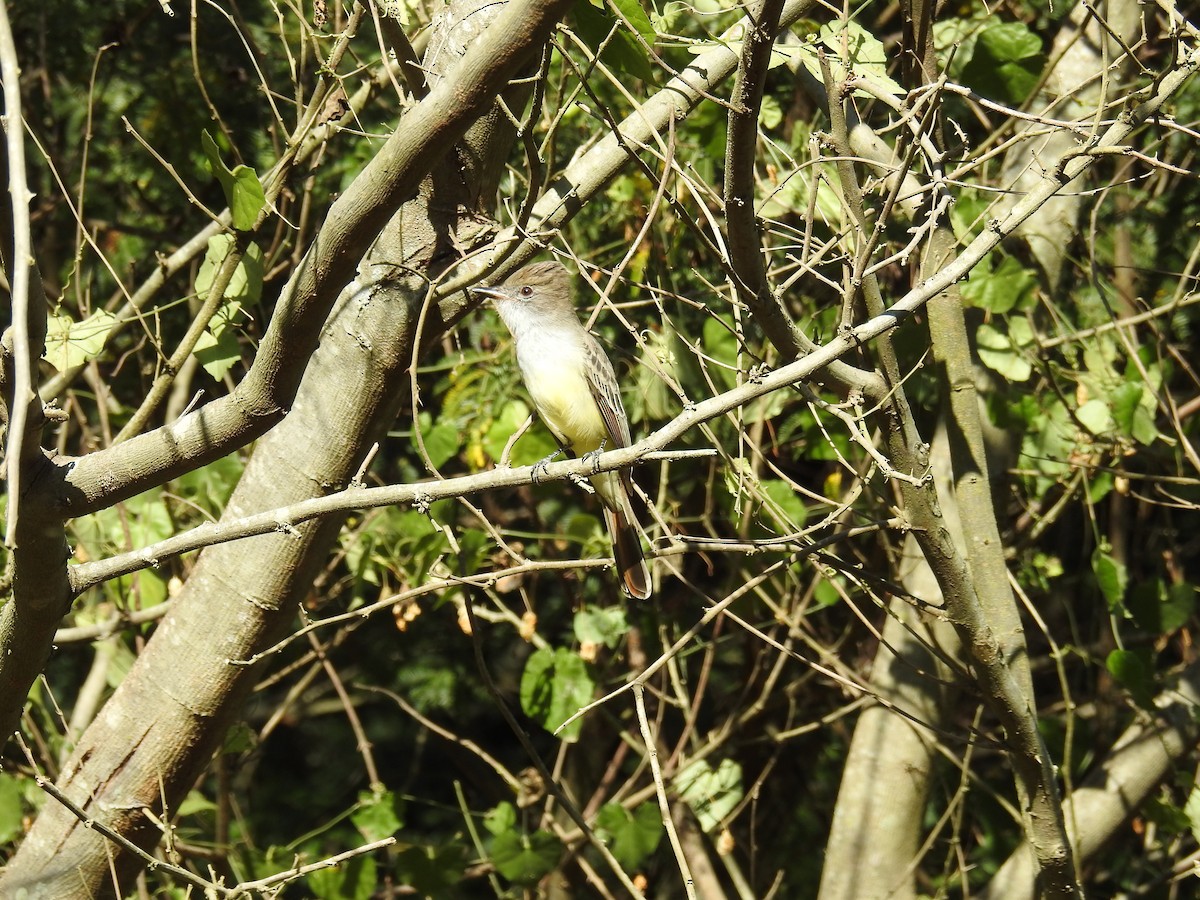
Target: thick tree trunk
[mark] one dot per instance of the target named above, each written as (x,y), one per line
(161,727)
(878,822)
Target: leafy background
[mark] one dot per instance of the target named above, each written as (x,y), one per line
(1096,496)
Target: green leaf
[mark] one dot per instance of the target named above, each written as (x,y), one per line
(1178,606)
(1168,818)
(636,16)
(711,793)
(326,884)
(1047,566)
(210,487)
(243,191)
(441,441)
(632,836)
(1000,290)
(580,527)
(1112,578)
(1006,62)
(1099,484)
(502,818)
(218,347)
(770,113)
(594,27)
(791,194)
(433,871)
(1002,352)
(195,802)
(352,880)
(239,739)
(133,523)
(1134,674)
(949,34)
(791,55)
(217,354)
(70,343)
(379,814)
(151,591)
(474,544)
(1132,414)
(248,198)
(721,346)
(859,51)
(245,285)
(142,520)
(968,216)
(1160,609)
(1020,331)
(554,686)
(535,444)
(1096,417)
(525,859)
(11,813)
(1050,438)
(624,189)
(766,409)
(1192,810)
(783,505)
(212,155)
(852,51)
(826,594)
(601,625)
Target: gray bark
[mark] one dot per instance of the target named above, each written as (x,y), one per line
(873,848)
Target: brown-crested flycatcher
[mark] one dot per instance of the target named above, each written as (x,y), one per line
(575,392)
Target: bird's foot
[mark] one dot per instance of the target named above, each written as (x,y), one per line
(539,468)
(594,456)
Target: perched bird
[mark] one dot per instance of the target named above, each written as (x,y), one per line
(575,392)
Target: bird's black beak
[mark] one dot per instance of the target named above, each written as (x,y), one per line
(491,293)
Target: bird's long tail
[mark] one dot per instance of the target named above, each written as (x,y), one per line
(627,548)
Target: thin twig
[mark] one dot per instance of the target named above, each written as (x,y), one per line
(660,790)
(21,277)
(212,304)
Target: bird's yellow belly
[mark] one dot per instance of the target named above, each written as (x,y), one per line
(566,405)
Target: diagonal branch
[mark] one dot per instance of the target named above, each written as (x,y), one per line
(803,369)
(743,236)
(262,398)
(68,488)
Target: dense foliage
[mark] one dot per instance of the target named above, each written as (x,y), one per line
(410,696)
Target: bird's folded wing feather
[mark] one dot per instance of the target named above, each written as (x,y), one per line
(607,393)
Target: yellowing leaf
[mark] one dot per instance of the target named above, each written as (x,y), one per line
(70,343)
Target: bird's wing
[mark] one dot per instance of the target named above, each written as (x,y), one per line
(606,391)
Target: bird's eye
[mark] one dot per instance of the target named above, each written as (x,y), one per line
(526,291)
